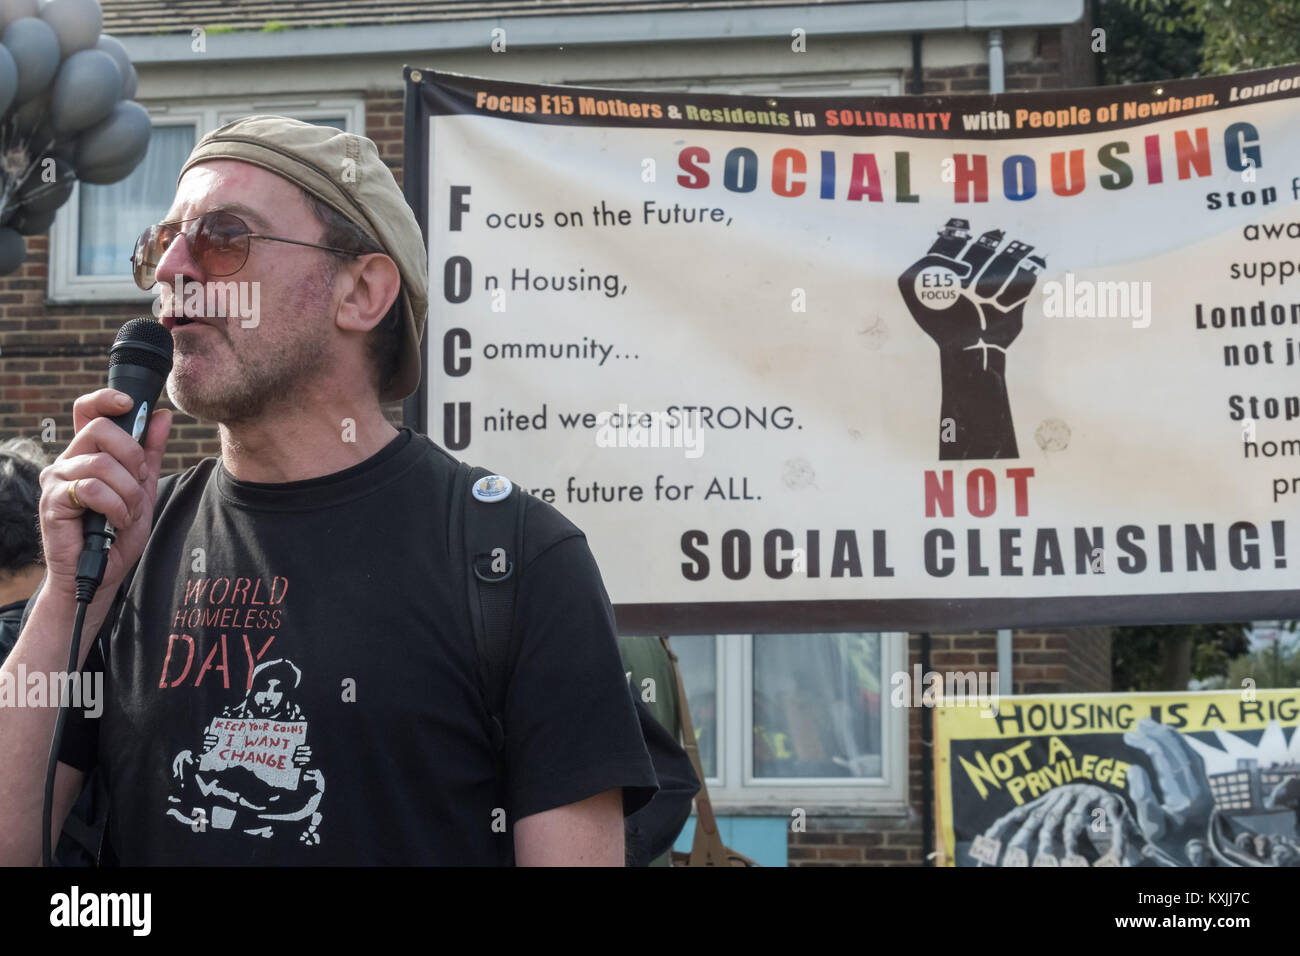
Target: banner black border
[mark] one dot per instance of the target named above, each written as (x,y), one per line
(447,93)
(941,615)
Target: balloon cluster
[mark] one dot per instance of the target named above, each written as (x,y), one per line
(65,113)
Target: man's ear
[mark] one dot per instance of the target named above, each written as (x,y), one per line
(375,283)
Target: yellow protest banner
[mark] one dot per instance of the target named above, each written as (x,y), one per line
(1164,779)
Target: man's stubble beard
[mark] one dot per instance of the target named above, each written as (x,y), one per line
(258,387)
(265,378)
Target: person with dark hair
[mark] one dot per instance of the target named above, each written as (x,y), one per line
(21,461)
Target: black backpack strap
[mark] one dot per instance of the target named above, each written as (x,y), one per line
(493,535)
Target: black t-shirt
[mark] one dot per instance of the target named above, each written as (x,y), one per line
(11,616)
(291,678)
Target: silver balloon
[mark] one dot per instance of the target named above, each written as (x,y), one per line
(123,137)
(103,175)
(34,112)
(130,83)
(8,79)
(17,9)
(42,141)
(75,22)
(12,250)
(46,191)
(84,91)
(35,50)
(113,47)
(66,150)
(32,223)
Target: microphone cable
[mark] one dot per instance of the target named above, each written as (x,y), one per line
(52,763)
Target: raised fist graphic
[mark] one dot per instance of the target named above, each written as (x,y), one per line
(970,298)
(1175,813)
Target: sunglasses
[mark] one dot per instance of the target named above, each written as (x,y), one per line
(218,241)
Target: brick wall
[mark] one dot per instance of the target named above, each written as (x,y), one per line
(1074,660)
(1044,71)
(1088,659)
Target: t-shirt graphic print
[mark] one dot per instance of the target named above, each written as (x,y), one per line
(254,772)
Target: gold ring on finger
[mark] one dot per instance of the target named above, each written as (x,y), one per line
(72,493)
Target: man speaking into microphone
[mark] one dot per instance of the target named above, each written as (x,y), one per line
(289,664)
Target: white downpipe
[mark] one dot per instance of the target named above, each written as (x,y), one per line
(997,72)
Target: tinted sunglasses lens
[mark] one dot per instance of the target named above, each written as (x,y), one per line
(218,241)
(221,243)
(148,250)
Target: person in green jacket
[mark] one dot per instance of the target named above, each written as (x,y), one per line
(650,675)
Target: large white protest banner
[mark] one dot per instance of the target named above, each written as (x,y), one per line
(914,362)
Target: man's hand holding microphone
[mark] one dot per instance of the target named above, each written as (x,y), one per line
(97,497)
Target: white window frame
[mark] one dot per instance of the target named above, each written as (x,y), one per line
(66,286)
(734,788)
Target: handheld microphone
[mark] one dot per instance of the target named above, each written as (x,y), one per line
(138,364)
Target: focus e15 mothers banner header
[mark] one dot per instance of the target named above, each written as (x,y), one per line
(907,363)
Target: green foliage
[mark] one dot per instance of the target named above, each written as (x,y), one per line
(1147,41)
(1166,657)
(274,26)
(1267,668)
(218,29)
(1235,35)
(1139,52)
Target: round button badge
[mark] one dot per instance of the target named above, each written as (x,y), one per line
(492,488)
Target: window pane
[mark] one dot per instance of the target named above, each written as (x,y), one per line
(698,660)
(113,216)
(817,705)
